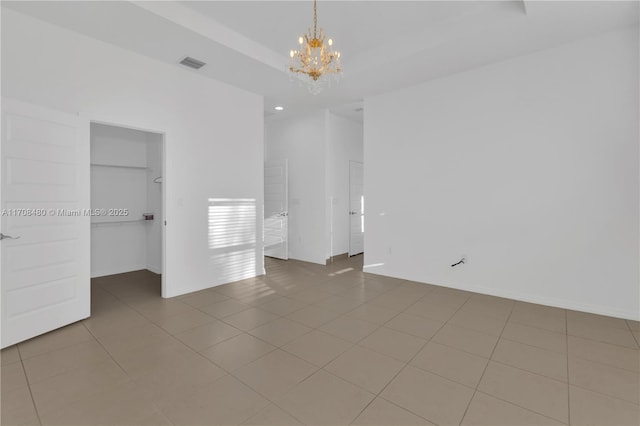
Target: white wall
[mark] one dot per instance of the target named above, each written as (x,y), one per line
(154,204)
(214,132)
(345,143)
(302,141)
(529,167)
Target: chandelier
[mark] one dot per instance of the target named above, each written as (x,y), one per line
(315,63)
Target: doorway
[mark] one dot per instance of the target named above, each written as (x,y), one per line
(276,209)
(127,201)
(356,208)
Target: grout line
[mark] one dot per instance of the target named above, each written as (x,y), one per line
(566,327)
(26,378)
(378,395)
(487,365)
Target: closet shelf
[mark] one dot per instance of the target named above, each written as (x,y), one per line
(119,166)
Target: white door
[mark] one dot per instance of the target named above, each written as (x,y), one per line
(356,208)
(276,206)
(45,280)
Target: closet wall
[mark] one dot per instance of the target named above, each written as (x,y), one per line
(124,164)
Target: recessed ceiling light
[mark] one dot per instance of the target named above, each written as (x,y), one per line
(279,108)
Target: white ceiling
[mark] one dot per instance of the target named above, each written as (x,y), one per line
(385,44)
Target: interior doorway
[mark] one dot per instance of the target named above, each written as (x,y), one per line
(276,209)
(127,208)
(356,208)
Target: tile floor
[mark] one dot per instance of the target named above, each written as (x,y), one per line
(308,344)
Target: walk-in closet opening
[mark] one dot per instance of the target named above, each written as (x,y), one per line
(126,212)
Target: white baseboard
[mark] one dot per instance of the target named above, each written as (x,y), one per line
(609,311)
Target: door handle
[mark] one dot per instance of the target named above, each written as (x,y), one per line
(7,237)
(283,214)
(352,213)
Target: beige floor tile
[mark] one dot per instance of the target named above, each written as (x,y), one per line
(148,359)
(491,306)
(275,373)
(317,347)
(372,313)
(207,335)
(534,336)
(478,322)
(338,304)
(362,293)
(312,316)
(532,359)
(602,378)
(9,355)
(115,322)
(431,310)
(395,344)
(432,397)
(633,325)
(83,356)
(383,413)
(596,320)
(393,302)
(224,402)
(548,318)
(467,340)
(531,391)
(157,309)
(365,368)
(416,326)
(184,321)
(258,297)
(324,399)
(280,332)
(446,297)
(17,407)
(237,351)
(164,385)
(61,390)
(224,308)
(604,353)
(60,338)
(596,409)
(135,338)
(12,377)
(486,410)
(283,306)
(453,364)
(250,318)
(272,415)
(351,329)
(203,298)
(310,295)
(602,333)
(122,405)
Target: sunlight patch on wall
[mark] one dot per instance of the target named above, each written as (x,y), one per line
(232,238)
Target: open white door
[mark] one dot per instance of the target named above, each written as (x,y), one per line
(276,206)
(356,208)
(45,220)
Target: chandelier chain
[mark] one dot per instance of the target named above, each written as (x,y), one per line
(315,19)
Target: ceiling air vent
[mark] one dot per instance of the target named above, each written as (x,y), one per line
(192,63)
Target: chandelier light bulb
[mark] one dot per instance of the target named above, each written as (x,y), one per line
(330,42)
(291,54)
(300,40)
